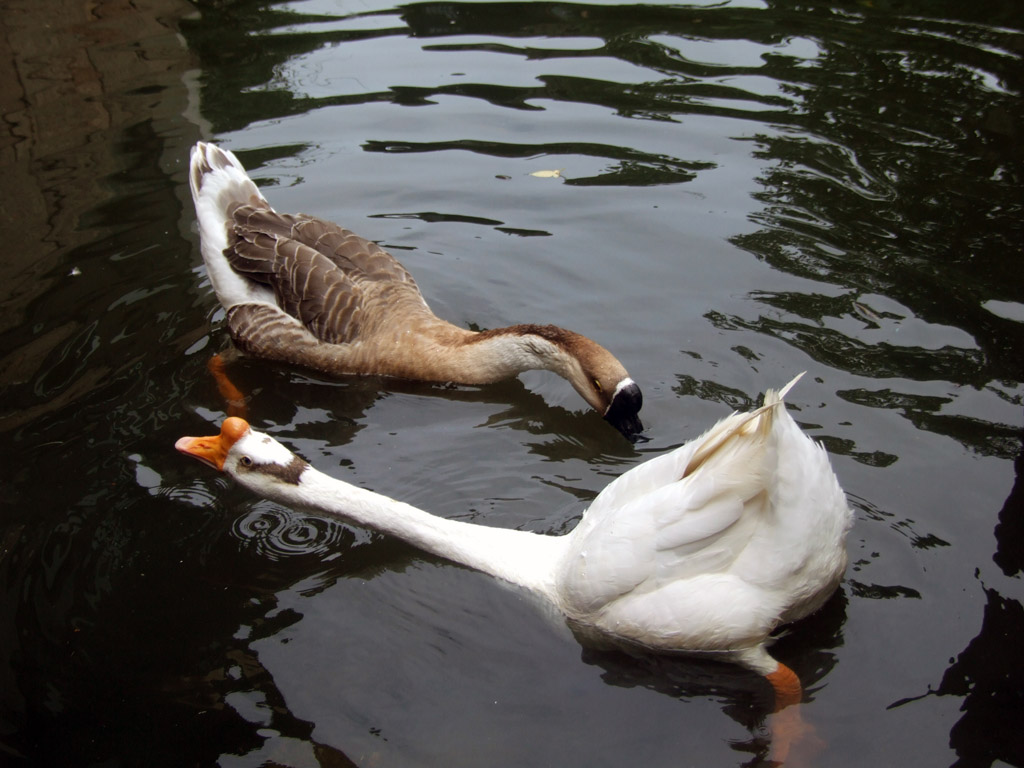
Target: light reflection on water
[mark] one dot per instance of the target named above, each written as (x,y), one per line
(746,191)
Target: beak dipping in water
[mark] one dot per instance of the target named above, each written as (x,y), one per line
(623,413)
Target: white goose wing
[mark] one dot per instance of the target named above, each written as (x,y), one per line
(687,514)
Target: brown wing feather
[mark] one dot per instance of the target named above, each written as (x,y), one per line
(350,251)
(262,331)
(322,275)
(353,254)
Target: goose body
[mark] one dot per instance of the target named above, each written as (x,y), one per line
(305,291)
(707,548)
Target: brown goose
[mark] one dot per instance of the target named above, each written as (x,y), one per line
(304,291)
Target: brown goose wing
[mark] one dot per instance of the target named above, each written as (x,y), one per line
(350,251)
(266,332)
(326,277)
(352,254)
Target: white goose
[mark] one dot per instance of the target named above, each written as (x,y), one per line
(304,291)
(707,548)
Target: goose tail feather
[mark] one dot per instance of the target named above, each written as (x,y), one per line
(771,396)
(218,179)
(219,186)
(758,422)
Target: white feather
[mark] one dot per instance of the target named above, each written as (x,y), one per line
(707,548)
(218,180)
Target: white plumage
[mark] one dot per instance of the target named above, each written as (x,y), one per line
(705,549)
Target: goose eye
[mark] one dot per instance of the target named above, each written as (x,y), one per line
(245,461)
(597,385)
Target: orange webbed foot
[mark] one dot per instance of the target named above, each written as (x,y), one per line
(232,395)
(794,742)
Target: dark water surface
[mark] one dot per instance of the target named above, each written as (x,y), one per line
(747,190)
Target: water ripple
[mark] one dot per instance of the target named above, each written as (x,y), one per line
(277,533)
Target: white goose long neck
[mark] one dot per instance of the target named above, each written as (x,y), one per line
(519,557)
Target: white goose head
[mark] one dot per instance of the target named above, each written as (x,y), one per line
(255,460)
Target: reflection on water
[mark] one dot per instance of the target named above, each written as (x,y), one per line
(897,178)
(989,677)
(747,190)
(988,674)
(745,699)
(1009,532)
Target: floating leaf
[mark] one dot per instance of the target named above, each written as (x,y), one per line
(547,174)
(866,313)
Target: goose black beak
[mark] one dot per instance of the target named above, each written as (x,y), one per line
(623,413)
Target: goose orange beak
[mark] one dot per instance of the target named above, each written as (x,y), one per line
(214,450)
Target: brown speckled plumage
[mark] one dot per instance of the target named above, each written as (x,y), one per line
(305,291)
